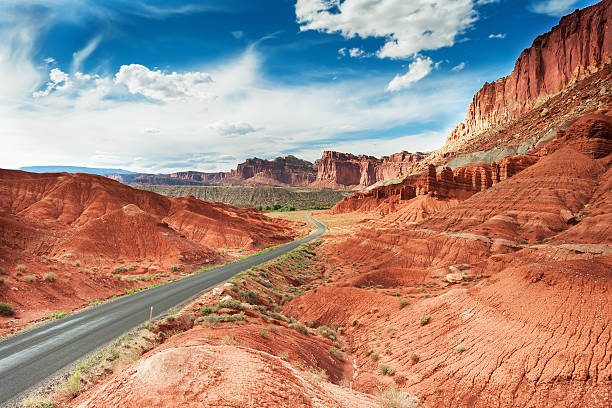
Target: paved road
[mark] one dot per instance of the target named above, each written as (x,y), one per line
(29,358)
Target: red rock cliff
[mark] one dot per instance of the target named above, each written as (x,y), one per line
(337,169)
(579,45)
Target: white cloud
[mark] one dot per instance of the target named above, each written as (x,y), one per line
(408,27)
(231,129)
(164,87)
(417,70)
(357,53)
(498,36)
(151,131)
(79,56)
(238,34)
(57,77)
(49,60)
(343,51)
(459,67)
(555,8)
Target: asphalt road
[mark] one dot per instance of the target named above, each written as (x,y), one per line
(29,358)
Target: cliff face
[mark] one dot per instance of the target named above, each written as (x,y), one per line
(578,46)
(289,171)
(337,169)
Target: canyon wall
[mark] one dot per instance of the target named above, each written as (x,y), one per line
(346,170)
(578,46)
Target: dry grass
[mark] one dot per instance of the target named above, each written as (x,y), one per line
(394,398)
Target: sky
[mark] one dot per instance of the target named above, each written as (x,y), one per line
(160,86)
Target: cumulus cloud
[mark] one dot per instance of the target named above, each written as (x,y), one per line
(408,27)
(58,79)
(554,8)
(164,87)
(498,36)
(417,70)
(459,67)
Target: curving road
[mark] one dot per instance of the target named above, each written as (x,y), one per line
(29,358)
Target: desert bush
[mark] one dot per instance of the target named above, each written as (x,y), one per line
(459,349)
(327,332)
(6,309)
(403,304)
(29,278)
(2,281)
(206,310)
(337,353)
(299,327)
(132,268)
(424,320)
(414,358)
(215,319)
(72,386)
(263,332)
(50,277)
(386,370)
(176,268)
(2,271)
(230,304)
(76,263)
(120,269)
(37,401)
(248,296)
(21,269)
(374,356)
(272,328)
(394,398)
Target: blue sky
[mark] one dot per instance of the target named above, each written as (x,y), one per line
(160,86)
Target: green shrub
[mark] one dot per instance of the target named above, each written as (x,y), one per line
(403,304)
(248,296)
(386,370)
(459,349)
(50,277)
(6,309)
(29,278)
(272,328)
(21,269)
(206,310)
(263,332)
(230,304)
(279,316)
(374,356)
(131,268)
(120,269)
(337,353)
(327,332)
(72,386)
(299,327)
(2,271)
(76,263)
(424,320)
(176,268)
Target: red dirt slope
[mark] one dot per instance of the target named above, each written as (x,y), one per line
(70,238)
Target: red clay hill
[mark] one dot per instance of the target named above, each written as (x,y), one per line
(66,235)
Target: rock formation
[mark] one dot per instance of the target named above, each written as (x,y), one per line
(579,45)
(346,170)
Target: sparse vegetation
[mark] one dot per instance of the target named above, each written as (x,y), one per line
(337,353)
(176,268)
(76,263)
(37,401)
(394,398)
(414,358)
(230,304)
(425,320)
(2,271)
(72,386)
(327,332)
(6,309)
(272,328)
(459,349)
(263,332)
(29,278)
(50,277)
(299,327)
(21,269)
(385,369)
(374,356)
(403,304)
(120,269)
(216,319)
(206,310)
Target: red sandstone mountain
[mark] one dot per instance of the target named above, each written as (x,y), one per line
(344,170)
(81,227)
